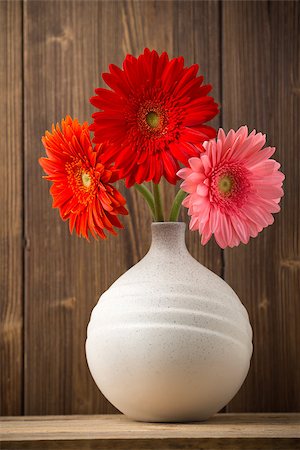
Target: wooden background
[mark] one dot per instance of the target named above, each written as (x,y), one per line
(51,55)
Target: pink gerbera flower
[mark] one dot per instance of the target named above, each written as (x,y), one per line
(234,187)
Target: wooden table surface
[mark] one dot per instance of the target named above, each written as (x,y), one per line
(223,431)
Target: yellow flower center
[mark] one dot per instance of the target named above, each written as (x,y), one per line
(226,184)
(152,119)
(86,179)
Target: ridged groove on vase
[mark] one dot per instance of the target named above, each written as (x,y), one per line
(174,291)
(222,309)
(140,325)
(184,316)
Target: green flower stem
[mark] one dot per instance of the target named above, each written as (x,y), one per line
(180,196)
(159,215)
(148,196)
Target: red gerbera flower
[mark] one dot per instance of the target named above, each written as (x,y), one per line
(81,186)
(153,117)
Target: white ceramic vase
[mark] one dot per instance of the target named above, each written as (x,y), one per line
(169,341)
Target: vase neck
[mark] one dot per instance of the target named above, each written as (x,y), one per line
(168,237)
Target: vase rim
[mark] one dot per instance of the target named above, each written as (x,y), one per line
(169,224)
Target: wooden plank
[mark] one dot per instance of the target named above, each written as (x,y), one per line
(170,34)
(244,431)
(64,52)
(203,19)
(11,262)
(261,79)
(65,275)
(161,444)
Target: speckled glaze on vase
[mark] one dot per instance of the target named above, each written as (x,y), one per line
(169,341)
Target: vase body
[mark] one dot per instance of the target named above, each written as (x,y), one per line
(169,341)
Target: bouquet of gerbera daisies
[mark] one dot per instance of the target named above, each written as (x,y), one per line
(151,124)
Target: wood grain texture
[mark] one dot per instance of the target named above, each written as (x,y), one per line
(201,45)
(224,431)
(11,261)
(249,51)
(162,25)
(261,86)
(65,275)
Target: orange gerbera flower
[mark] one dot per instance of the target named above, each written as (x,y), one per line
(81,188)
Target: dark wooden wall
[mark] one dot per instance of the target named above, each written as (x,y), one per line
(51,55)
